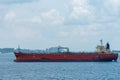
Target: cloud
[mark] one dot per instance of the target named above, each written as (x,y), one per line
(18,32)
(63,34)
(15,1)
(95,30)
(30,20)
(85,12)
(66,21)
(36,19)
(22,32)
(81,9)
(81,13)
(107,11)
(3,7)
(113,5)
(10,16)
(49,17)
(81,31)
(52,17)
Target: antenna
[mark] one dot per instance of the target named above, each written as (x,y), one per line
(19,48)
(101,41)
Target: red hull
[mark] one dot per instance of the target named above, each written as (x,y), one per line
(22,57)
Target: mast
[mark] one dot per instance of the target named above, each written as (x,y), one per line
(18,48)
(101,41)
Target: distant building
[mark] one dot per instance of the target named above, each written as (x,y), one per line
(29,51)
(6,50)
(116,51)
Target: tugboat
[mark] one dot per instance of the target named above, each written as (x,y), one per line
(62,54)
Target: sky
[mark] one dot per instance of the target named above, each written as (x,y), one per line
(77,24)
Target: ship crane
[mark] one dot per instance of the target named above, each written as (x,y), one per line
(63,49)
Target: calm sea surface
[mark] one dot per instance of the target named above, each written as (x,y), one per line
(10,70)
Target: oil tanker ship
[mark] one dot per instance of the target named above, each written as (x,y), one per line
(62,54)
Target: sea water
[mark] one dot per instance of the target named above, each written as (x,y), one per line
(10,70)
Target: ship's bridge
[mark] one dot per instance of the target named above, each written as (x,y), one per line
(102,49)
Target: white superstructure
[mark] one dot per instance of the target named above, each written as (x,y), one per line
(102,49)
